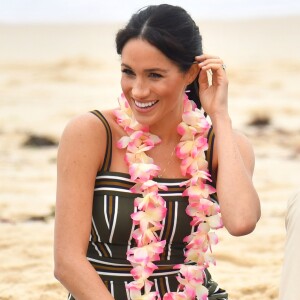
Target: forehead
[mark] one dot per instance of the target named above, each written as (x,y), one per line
(138,52)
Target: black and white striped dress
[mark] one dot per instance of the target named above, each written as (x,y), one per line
(111,233)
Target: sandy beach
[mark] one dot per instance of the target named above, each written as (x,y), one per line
(50,73)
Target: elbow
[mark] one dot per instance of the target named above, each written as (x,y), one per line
(242,227)
(62,267)
(65,265)
(242,222)
(241,230)
(56,275)
(59,271)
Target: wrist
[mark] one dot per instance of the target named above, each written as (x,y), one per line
(220,118)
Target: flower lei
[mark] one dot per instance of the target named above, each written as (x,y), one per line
(150,209)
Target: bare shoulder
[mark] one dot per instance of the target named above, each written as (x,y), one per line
(82,128)
(84,140)
(87,126)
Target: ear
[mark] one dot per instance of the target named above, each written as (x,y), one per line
(192,73)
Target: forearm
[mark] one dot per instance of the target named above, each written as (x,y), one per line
(80,278)
(238,199)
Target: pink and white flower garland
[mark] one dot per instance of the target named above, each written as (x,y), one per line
(151,209)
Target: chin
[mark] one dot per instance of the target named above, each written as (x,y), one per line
(147,121)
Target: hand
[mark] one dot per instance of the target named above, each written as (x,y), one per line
(214,95)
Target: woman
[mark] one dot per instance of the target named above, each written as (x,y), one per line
(103,225)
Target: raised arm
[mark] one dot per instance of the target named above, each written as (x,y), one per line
(81,152)
(234,162)
(234,158)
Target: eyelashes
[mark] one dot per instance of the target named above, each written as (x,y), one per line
(155,75)
(127,72)
(152,75)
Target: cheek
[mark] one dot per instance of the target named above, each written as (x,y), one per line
(124,84)
(174,88)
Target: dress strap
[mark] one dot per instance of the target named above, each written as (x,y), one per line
(108,151)
(210,150)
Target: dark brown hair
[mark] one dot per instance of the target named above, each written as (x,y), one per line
(171,30)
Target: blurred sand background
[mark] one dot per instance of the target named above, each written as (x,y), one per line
(49,73)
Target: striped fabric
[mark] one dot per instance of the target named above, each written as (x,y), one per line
(112,228)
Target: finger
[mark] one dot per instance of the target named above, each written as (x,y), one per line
(203,80)
(214,67)
(218,73)
(210,61)
(203,57)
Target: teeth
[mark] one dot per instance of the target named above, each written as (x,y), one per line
(143,105)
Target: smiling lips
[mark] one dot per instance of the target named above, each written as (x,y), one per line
(145,104)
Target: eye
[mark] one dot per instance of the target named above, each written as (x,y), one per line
(155,75)
(127,71)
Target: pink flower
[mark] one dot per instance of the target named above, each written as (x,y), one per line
(143,171)
(125,117)
(197,191)
(197,120)
(149,200)
(191,147)
(143,272)
(147,236)
(189,105)
(146,254)
(192,280)
(148,186)
(140,157)
(198,177)
(139,142)
(202,208)
(151,216)
(202,240)
(135,287)
(190,165)
(123,142)
(215,221)
(187,132)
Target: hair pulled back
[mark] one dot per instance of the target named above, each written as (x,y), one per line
(171,30)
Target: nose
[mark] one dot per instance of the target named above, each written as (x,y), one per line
(140,89)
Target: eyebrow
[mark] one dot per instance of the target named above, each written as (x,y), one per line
(148,70)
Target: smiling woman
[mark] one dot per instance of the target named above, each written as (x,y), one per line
(134,221)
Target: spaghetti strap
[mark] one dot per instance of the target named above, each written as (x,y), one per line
(210,150)
(108,151)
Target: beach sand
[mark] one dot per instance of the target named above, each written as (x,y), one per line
(50,73)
